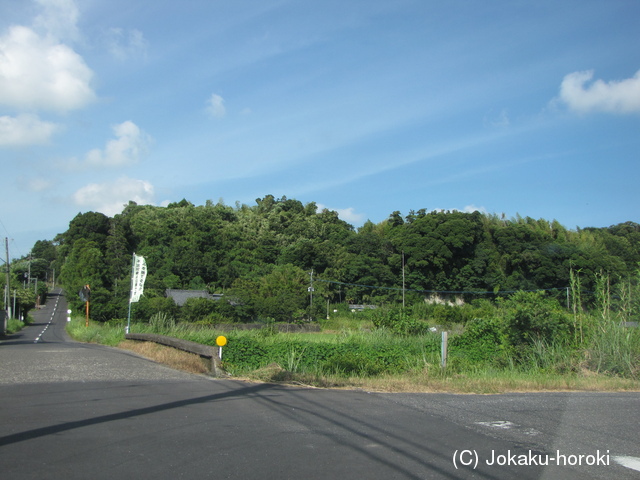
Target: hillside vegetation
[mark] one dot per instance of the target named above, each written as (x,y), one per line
(514,292)
(263,255)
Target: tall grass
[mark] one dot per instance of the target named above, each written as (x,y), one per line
(103,333)
(554,357)
(348,355)
(162,322)
(611,347)
(615,349)
(14,325)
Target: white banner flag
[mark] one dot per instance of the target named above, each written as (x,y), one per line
(139,276)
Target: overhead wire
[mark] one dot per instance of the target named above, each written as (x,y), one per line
(449,292)
(13,243)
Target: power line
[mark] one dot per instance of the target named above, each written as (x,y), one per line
(10,237)
(450,292)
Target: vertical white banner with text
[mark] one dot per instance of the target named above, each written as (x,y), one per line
(139,276)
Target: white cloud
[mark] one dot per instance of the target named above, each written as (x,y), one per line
(40,73)
(127,148)
(613,97)
(124,45)
(111,197)
(472,208)
(215,106)
(25,129)
(467,209)
(347,214)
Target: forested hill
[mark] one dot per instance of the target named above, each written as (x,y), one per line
(257,252)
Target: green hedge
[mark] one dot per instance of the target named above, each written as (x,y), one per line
(246,353)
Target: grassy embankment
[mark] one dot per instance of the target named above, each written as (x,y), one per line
(351,354)
(15,325)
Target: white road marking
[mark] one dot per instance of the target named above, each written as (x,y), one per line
(497,424)
(630,462)
(45,328)
(506,425)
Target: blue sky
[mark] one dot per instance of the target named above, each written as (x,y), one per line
(364,107)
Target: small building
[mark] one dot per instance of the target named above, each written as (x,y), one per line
(181,296)
(360,308)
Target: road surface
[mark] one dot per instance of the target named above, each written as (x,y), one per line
(76,411)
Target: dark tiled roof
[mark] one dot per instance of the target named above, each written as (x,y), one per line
(181,296)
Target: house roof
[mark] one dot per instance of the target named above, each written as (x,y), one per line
(181,296)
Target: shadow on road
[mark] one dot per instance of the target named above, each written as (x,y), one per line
(54,429)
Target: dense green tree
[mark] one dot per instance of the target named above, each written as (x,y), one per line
(85,265)
(281,295)
(91,226)
(245,251)
(45,250)
(437,247)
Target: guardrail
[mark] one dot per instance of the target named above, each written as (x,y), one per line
(204,351)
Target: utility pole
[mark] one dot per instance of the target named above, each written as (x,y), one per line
(7,297)
(403,280)
(311,296)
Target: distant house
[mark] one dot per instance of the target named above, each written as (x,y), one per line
(360,308)
(181,296)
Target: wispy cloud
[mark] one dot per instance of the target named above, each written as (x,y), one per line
(58,19)
(111,197)
(38,184)
(502,120)
(126,44)
(613,97)
(215,106)
(25,129)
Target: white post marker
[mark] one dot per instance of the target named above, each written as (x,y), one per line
(221,341)
(69,315)
(443,350)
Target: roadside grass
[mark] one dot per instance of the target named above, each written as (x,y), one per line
(353,357)
(346,323)
(105,334)
(14,325)
(434,380)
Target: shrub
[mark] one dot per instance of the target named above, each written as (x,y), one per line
(397,321)
(531,316)
(353,363)
(195,309)
(149,305)
(445,314)
(244,353)
(483,341)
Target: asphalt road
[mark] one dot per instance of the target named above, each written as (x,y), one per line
(71,410)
